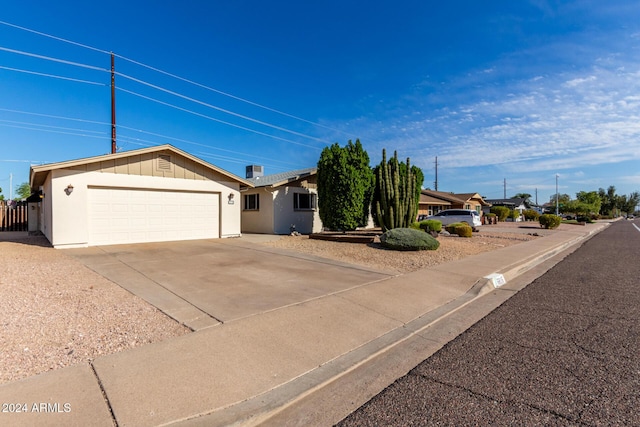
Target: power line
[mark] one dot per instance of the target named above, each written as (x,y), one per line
(54,117)
(220,109)
(49,58)
(54,131)
(216,120)
(169,92)
(201,145)
(49,126)
(51,75)
(52,37)
(255,104)
(186,141)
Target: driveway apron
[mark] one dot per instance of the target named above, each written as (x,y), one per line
(201,283)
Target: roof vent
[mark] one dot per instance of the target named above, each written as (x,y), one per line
(164,162)
(254,171)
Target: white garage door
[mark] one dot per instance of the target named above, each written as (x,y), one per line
(119,215)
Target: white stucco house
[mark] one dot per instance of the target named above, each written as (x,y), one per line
(280,203)
(148,195)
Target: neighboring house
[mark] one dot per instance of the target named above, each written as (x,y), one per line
(432,202)
(280,203)
(513,204)
(148,195)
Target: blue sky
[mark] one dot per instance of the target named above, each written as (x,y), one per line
(515,90)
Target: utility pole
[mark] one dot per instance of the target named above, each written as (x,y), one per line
(113,105)
(557,195)
(536,197)
(505,188)
(10,186)
(436,181)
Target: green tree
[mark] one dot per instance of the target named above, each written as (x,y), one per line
(629,203)
(396,198)
(610,201)
(23,190)
(344,186)
(1,195)
(591,200)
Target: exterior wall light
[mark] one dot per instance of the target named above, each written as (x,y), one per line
(231,196)
(69,189)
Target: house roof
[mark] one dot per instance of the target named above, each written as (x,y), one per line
(39,173)
(430,200)
(451,197)
(278,179)
(441,195)
(515,201)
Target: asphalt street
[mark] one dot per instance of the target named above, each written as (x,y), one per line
(563,351)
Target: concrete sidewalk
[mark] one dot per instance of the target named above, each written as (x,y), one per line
(303,364)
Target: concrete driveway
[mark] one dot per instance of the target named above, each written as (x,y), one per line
(202,283)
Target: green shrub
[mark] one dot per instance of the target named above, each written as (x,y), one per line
(514,214)
(549,221)
(460,228)
(431,225)
(501,211)
(464,230)
(451,228)
(408,239)
(416,226)
(531,215)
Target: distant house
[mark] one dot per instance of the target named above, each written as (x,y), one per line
(432,202)
(515,203)
(280,203)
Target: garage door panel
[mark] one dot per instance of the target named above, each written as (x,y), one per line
(137,215)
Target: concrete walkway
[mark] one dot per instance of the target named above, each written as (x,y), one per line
(309,363)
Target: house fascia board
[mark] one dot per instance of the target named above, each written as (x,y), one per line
(284,181)
(39,173)
(449,197)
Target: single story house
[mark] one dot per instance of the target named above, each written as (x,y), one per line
(280,203)
(147,195)
(515,203)
(432,202)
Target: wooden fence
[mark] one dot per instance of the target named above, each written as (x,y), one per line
(13,216)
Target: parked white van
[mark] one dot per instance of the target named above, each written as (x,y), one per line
(449,216)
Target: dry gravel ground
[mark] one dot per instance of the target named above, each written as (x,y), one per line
(375,256)
(55,312)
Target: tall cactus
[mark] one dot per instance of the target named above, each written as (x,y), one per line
(397,205)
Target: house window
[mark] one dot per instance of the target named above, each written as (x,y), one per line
(467,206)
(304,202)
(251,202)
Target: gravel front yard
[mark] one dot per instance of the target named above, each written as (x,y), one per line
(55,312)
(375,256)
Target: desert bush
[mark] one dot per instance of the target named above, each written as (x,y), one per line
(464,230)
(416,226)
(501,211)
(549,221)
(429,225)
(460,228)
(531,215)
(408,239)
(514,214)
(451,228)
